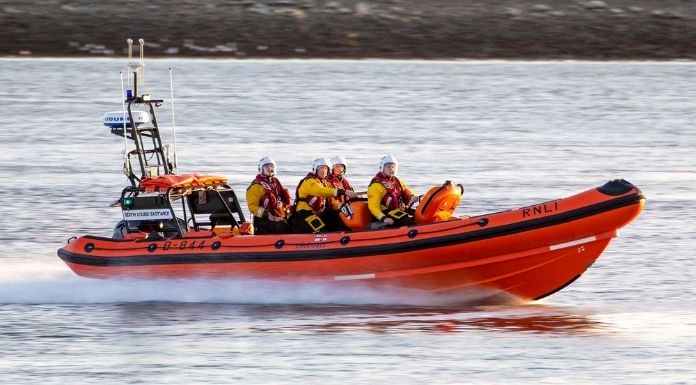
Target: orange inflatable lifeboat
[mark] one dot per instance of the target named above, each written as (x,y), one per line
(528,252)
(439,203)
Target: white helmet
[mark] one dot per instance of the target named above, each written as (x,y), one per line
(339,159)
(387,159)
(320,162)
(266,160)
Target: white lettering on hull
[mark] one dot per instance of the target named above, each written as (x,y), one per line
(147,215)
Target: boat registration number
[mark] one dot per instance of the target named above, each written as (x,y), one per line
(181,245)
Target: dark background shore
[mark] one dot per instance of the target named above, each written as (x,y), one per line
(514,29)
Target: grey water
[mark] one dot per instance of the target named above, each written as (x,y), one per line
(514,133)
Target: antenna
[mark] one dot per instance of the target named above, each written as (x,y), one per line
(142,62)
(125,133)
(138,123)
(171,93)
(128,78)
(136,69)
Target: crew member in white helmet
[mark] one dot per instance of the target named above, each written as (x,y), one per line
(388,197)
(268,201)
(311,199)
(337,179)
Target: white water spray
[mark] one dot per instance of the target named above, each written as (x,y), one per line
(54,284)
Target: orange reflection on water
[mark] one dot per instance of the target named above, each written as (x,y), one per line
(377,319)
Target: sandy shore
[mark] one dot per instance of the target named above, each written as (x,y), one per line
(585,29)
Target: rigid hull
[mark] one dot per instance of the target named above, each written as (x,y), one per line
(529,252)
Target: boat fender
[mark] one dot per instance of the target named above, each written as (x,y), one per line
(440,203)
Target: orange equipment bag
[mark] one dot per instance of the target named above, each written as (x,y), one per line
(355,215)
(164,182)
(439,203)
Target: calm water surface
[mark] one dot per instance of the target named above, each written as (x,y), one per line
(514,133)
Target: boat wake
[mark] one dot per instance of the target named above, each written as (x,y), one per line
(71,290)
(30,284)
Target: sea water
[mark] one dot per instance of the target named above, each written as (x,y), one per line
(514,133)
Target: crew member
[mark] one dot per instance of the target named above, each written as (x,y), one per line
(312,195)
(337,179)
(388,197)
(268,201)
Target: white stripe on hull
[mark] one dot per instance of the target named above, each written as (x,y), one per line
(351,277)
(572,243)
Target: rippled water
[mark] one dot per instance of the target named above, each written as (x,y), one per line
(514,133)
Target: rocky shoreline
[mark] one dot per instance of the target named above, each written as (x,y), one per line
(435,29)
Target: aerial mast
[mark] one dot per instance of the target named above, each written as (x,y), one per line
(137,121)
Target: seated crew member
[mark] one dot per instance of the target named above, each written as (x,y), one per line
(337,179)
(388,197)
(311,199)
(268,201)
